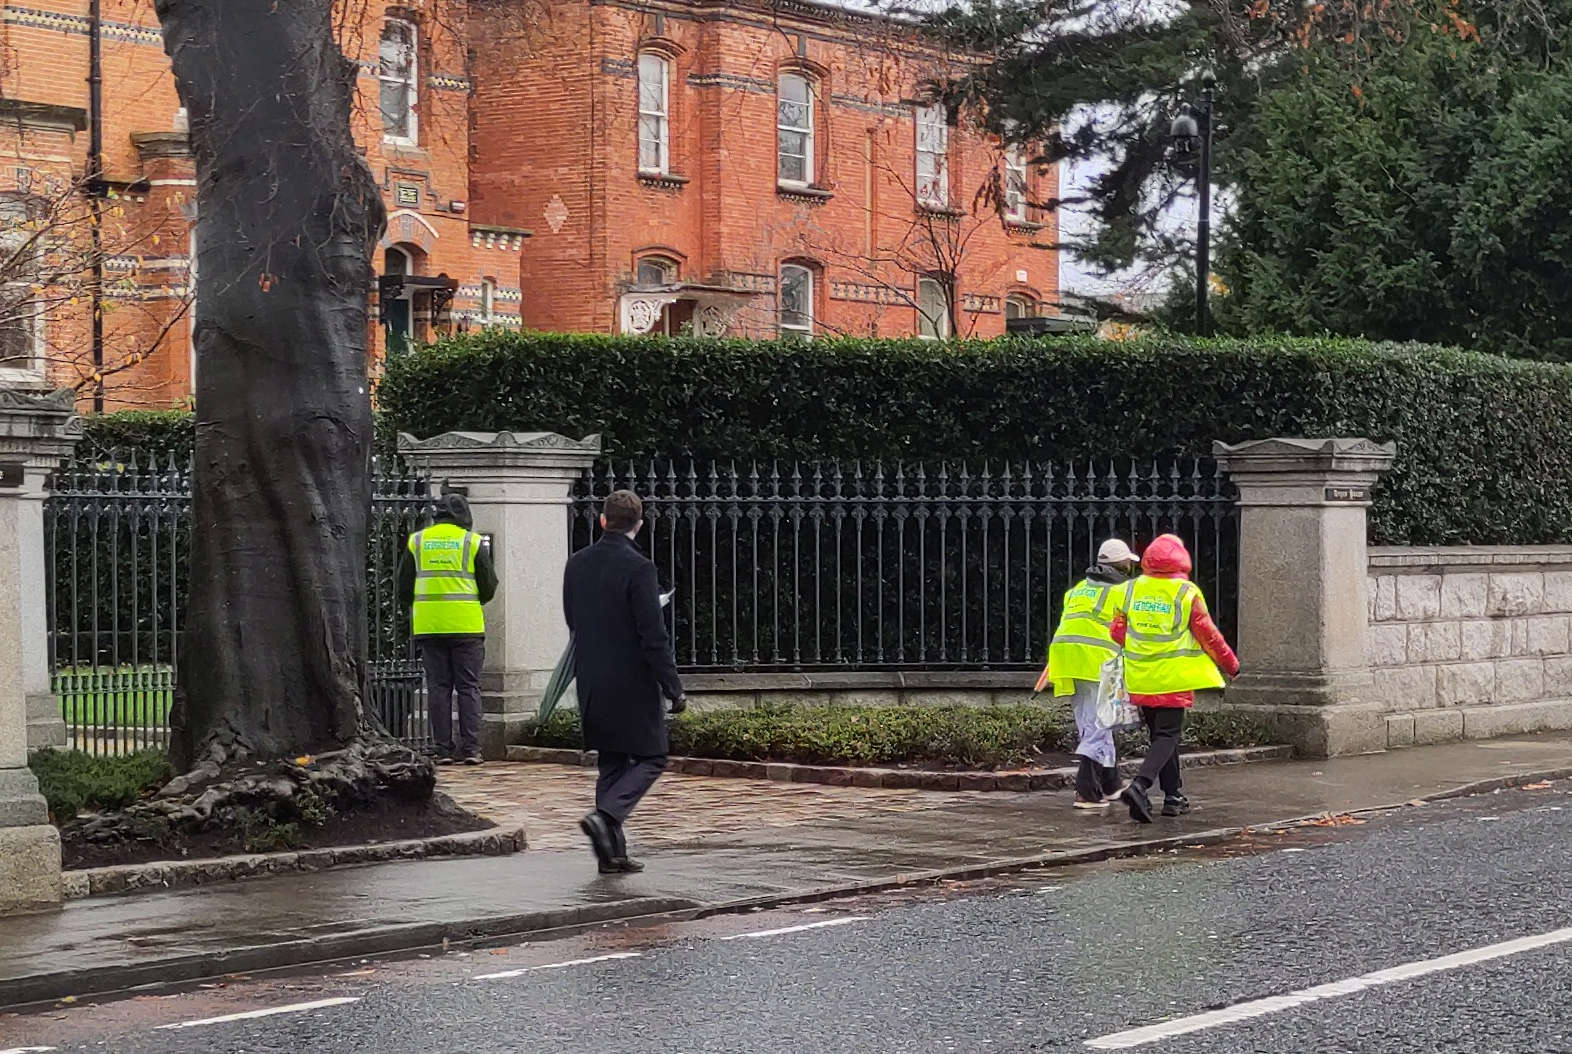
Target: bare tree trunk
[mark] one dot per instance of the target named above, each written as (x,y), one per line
(274,658)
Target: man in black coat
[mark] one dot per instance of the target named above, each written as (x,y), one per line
(624,669)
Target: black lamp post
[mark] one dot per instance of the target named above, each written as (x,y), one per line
(1191,134)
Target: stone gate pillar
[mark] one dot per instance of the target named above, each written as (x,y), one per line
(519,486)
(37,432)
(29,843)
(1303,579)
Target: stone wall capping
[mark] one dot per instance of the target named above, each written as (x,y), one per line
(1466,559)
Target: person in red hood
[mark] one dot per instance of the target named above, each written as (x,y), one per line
(1172,649)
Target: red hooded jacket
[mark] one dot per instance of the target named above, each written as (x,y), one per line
(1167,557)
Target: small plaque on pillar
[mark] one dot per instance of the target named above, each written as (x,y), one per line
(1348,494)
(12,475)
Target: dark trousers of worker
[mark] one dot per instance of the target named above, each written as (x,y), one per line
(453,670)
(1093,782)
(624,780)
(1161,765)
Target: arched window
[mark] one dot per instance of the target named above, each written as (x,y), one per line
(933,156)
(796,302)
(656,271)
(1019,305)
(398,73)
(654,114)
(933,310)
(794,130)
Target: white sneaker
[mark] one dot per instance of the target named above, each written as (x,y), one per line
(1081,803)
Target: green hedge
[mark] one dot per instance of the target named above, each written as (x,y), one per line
(1484,452)
(149,432)
(985,737)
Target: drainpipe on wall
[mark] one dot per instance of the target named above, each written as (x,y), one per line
(95,191)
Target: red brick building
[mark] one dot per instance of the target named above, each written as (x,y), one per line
(739,167)
(747,166)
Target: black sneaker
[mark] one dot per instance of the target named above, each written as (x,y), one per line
(474,759)
(1140,805)
(446,759)
(1175,805)
(621,865)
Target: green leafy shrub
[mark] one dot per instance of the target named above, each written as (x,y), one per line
(1483,454)
(155,433)
(987,737)
(72,781)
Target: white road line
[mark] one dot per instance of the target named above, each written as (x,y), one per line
(27,1050)
(848,920)
(554,966)
(293,1008)
(1229,1015)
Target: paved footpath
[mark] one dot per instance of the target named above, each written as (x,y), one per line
(711,844)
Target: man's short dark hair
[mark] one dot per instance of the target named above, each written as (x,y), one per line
(623,511)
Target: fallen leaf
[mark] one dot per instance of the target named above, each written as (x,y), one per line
(304,760)
(1541,785)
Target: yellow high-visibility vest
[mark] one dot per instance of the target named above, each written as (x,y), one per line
(1160,653)
(1084,639)
(447,600)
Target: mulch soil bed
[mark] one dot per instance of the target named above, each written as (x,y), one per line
(387,821)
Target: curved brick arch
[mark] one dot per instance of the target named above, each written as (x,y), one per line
(409,228)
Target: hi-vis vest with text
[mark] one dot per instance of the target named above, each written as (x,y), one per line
(1084,640)
(1161,655)
(447,600)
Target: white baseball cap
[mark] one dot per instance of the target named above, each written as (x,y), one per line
(1113,551)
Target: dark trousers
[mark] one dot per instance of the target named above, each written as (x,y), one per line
(1094,782)
(1161,765)
(453,669)
(624,780)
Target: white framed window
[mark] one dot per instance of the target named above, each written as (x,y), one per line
(933,310)
(21,313)
(796,302)
(794,130)
(656,271)
(1019,306)
(933,156)
(1015,196)
(654,114)
(488,301)
(398,73)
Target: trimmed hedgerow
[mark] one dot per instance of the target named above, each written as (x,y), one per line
(1484,455)
(984,737)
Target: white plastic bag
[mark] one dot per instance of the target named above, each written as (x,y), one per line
(1114,709)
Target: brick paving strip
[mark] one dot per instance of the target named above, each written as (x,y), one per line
(899,779)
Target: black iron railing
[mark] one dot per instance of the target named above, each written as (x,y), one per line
(118,541)
(898,566)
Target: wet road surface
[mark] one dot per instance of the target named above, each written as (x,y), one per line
(1442,928)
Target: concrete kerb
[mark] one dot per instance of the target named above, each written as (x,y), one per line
(489,930)
(162,875)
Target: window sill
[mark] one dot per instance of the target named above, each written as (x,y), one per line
(663,180)
(804,192)
(947,212)
(405,148)
(1019,226)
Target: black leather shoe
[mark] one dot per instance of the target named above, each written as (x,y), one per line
(621,865)
(1140,805)
(595,826)
(1175,805)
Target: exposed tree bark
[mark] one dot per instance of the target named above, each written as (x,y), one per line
(274,658)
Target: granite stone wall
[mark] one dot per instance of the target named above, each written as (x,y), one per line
(1470,643)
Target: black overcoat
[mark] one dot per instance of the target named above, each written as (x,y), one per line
(624,667)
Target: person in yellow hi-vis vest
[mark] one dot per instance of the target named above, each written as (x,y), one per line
(1081,645)
(444,576)
(1172,649)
